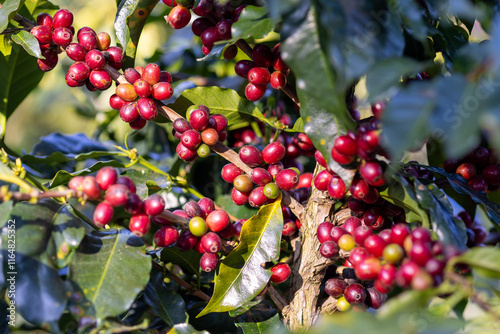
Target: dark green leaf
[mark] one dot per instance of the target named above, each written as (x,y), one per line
(185,329)
(449,229)
(226,203)
(129,22)
(241,277)
(148,182)
(107,261)
(460,186)
(168,305)
(188,261)
(215,53)
(253,23)
(399,192)
(385,76)
(273,325)
(28,42)
(7,12)
(18,77)
(220,101)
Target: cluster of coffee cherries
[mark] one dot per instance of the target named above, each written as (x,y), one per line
(269,180)
(135,99)
(476,233)
(115,191)
(53,34)
(199,133)
(479,168)
(257,71)
(351,292)
(90,53)
(213,24)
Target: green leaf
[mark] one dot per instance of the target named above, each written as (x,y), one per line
(241,277)
(188,261)
(185,329)
(18,77)
(449,229)
(7,12)
(479,257)
(63,177)
(220,101)
(28,42)
(273,325)
(460,186)
(58,157)
(226,203)
(399,192)
(254,22)
(107,261)
(129,22)
(385,76)
(148,182)
(166,304)
(323,109)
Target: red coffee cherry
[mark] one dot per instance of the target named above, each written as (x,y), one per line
(242,68)
(211,242)
(129,112)
(103,214)
(134,204)
(49,62)
(238,197)
(373,173)
(87,39)
(223,29)
(42,33)
(361,233)
(322,180)
(141,87)
(262,55)
(217,220)
(79,72)
(100,79)
(166,236)
(250,155)
(151,74)
(117,195)
(44,19)
(62,18)
(127,181)
(91,188)
(273,153)
(193,209)
(209,262)
(115,57)
(154,205)
(186,241)
(95,59)
(280,272)
(162,91)
(230,172)
(103,41)
(355,293)
(346,145)
(274,169)
(186,154)
(200,25)
(147,108)
(106,176)
(329,249)
(336,188)
(261,177)
(139,224)
(257,197)
(323,232)
(287,179)
(179,17)
(62,36)
(198,119)
(368,269)
(126,92)
(76,52)
(206,206)
(254,92)
(335,287)
(259,76)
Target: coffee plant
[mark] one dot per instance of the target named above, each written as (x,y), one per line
(327,166)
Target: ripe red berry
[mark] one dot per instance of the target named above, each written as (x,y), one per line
(95,59)
(115,57)
(62,36)
(179,17)
(116,102)
(323,232)
(359,188)
(287,179)
(261,177)
(162,91)
(351,224)
(254,92)
(186,241)
(250,155)
(273,153)
(305,180)
(42,33)
(154,205)
(181,125)
(355,293)
(198,119)
(200,25)
(209,37)
(358,255)
(336,188)
(127,181)
(242,68)
(193,209)
(361,233)
(79,72)
(278,80)
(335,287)
(100,79)
(44,19)
(467,171)
(103,41)
(262,55)
(420,253)
(479,183)
(211,243)
(134,204)
(206,206)
(337,232)
(223,29)
(257,197)
(209,262)
(91,188)
(49,62)
(139,224)
(374,245)
(320,159)
(217,220)
(322,180)
(87,39)
(106,176)
(230,172)
(166,236)
(373,173)
(186,154)
(141,87)
(345,145)
(259,76)
(210,136)
(274,169)
(117,195)
(76,52)
(147,108)
(399,232)
(341,158)
(368,269)
(492,174)
(238,197)
(151,73)
(329,249)
(103,214)
(62,18)
(217,122)
(280,272)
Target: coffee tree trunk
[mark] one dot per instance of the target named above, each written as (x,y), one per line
(309,266)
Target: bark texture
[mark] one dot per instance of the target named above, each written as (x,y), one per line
(309,266)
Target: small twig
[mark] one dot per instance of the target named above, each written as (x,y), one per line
(36,195)
(276,297)
(192,290)
(13,30)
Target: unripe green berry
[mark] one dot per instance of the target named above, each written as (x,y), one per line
(198,226)
(271,190)
(393,253)
(203,151)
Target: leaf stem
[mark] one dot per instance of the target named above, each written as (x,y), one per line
(278,300)
(195,292)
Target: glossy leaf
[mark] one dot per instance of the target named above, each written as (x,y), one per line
(28,42)
(7,12)
(399,192)
(273,325)
(168,305)
(188,261)
(105,258)
(148,182)
(18,77)
(253,22)
(460,186)
(479,257)
(215,53)
(220,101)
(129,22)
(449,229)
(185,329)
(240,277)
